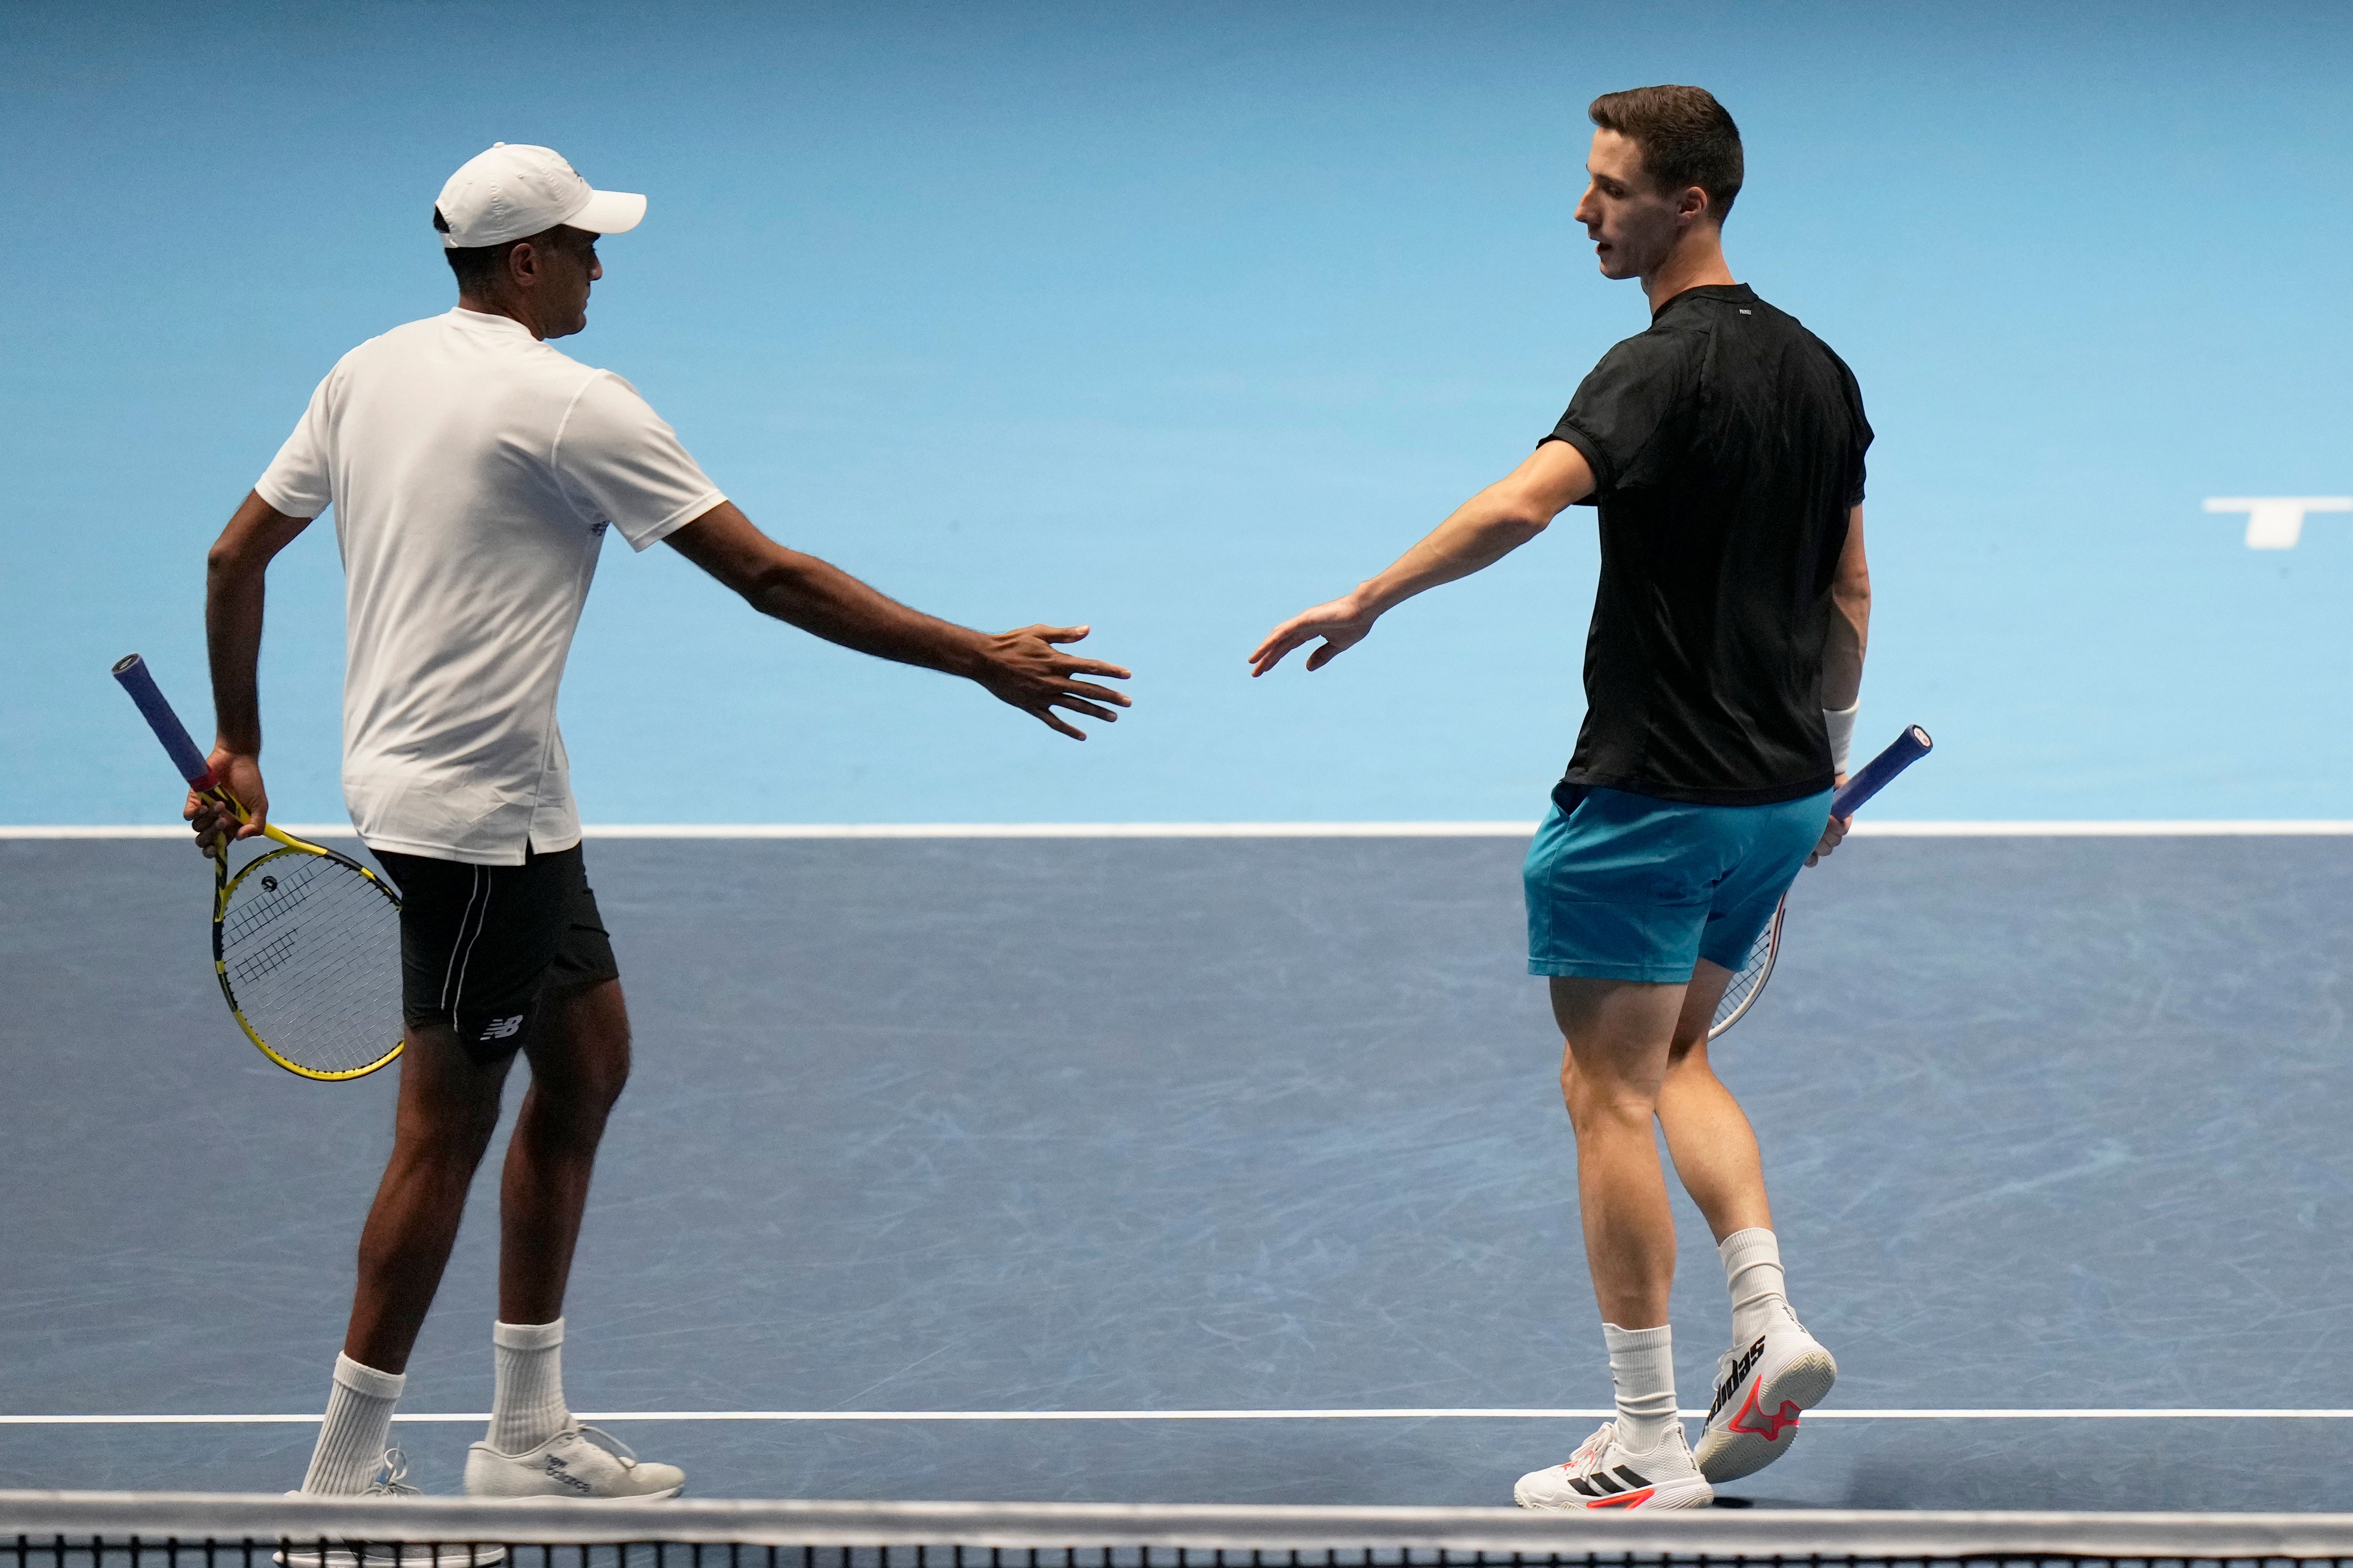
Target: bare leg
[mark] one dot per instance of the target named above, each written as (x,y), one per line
(1710,1140)
(1618,1033)
(579,1061)
(448,1108)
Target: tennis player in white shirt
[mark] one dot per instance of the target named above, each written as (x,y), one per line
(473,470)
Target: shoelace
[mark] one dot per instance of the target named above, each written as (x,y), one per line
(391,1476)
(607,1441)
(1589,1453)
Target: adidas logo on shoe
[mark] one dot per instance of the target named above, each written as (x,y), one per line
(1619,1487)
(1731,1380)
(1761,1393)
(1604,1474)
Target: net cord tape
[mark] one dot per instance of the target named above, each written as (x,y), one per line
(1873,1533)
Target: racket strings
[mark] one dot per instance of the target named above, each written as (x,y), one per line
(310,949)
(266,956)
(1749,975)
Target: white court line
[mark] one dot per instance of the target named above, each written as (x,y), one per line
(1868,828)
(2035,1413)
(150,830)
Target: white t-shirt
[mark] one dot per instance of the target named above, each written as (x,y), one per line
(473,470)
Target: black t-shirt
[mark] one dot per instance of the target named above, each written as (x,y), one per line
(1726,442)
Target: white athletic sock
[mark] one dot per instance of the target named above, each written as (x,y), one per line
(528,1407)
(1752,1270)
(353,1437)
(1643,1369)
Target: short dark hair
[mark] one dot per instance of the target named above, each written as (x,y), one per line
(475,265)
(1686,138)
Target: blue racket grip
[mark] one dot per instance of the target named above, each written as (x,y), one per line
(1880,770)
(131,670)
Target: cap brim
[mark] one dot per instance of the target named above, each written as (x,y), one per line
(610,212)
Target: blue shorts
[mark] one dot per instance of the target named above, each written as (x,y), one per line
(1626,886)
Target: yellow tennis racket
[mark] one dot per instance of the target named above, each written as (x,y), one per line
(306,942)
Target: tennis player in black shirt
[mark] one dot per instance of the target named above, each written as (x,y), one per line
(1724,449)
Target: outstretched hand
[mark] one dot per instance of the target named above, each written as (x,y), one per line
(1027,669)
(1342,623)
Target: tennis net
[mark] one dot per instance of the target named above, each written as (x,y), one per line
(131,1530)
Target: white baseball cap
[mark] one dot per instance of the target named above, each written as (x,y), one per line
(510,192)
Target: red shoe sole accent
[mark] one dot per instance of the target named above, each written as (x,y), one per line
(1774,1425)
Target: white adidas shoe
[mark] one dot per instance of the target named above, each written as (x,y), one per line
(1761,1389)
(1605,1474)
(390,1482)
(569,1465)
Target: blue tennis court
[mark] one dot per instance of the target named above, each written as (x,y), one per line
(995,1129)
(1170,1119)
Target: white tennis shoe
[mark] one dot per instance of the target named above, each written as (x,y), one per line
(1605,1474)
(1761,1389)
(390,1482)
(569,1465)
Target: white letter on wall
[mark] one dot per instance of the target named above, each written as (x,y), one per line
(2276,523)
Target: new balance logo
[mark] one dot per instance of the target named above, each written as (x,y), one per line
(502,1028)
(561,1474)
(1736,1377)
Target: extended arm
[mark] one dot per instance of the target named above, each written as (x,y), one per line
(1021,667)
(1482,531)
(234,570)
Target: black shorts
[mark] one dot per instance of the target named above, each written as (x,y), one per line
(480,945)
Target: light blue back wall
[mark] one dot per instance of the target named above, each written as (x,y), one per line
(1177,319)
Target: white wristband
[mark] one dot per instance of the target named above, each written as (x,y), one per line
(1840,725)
